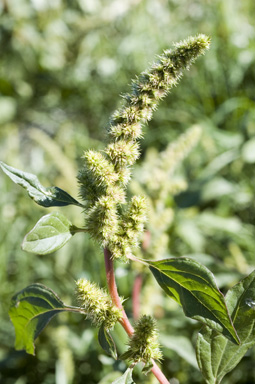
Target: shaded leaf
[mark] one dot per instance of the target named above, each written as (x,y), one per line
(50,233)
(126,378)
(47,197)
(107,343)
(193,286)
(147,367)
(216,355)
(31,310)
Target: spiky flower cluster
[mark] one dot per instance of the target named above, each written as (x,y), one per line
(143,344)
(105,175)
(97,304)
(130,227)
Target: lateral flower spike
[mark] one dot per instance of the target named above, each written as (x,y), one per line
(131,226)
(143,344)
(133,223)
(96,175)
(102,220)
(97,304)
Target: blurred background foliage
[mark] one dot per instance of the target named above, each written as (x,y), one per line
(63,65)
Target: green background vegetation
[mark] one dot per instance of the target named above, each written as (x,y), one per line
(63,65)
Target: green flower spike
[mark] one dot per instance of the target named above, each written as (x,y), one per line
(97,304)
(143,344)
(96,176)
(105,175)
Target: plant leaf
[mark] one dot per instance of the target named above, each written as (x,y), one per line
(216,355)
(147,367)
(47,197)
(106,341)
(193,286)
(126,378)
(31,310)
(50,233)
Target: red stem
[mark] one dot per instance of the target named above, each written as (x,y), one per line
(124,321)
(136,295)
(114,292)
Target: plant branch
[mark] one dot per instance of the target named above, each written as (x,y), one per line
(136,295)
(124,321)
(114,292)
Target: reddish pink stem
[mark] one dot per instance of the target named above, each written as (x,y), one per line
(146,240)
(114,292)
(136,295)
(124,321)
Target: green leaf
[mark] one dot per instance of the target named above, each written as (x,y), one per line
(216,355)
(47,197)
(31,310)
(106,341)
(50,233)
(193,286)
(126,378)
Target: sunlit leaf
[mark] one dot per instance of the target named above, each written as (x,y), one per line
(47,197)
(216,355)
(31,310)
(50,233)
(193,286)
(126,378)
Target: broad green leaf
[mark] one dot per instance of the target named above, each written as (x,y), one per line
(193,286)
(50,233)
(216,355)
(47,197)
(31,310)
(106,341)
(126,378)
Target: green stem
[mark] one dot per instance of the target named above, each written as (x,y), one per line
(74,229)
(124,321)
